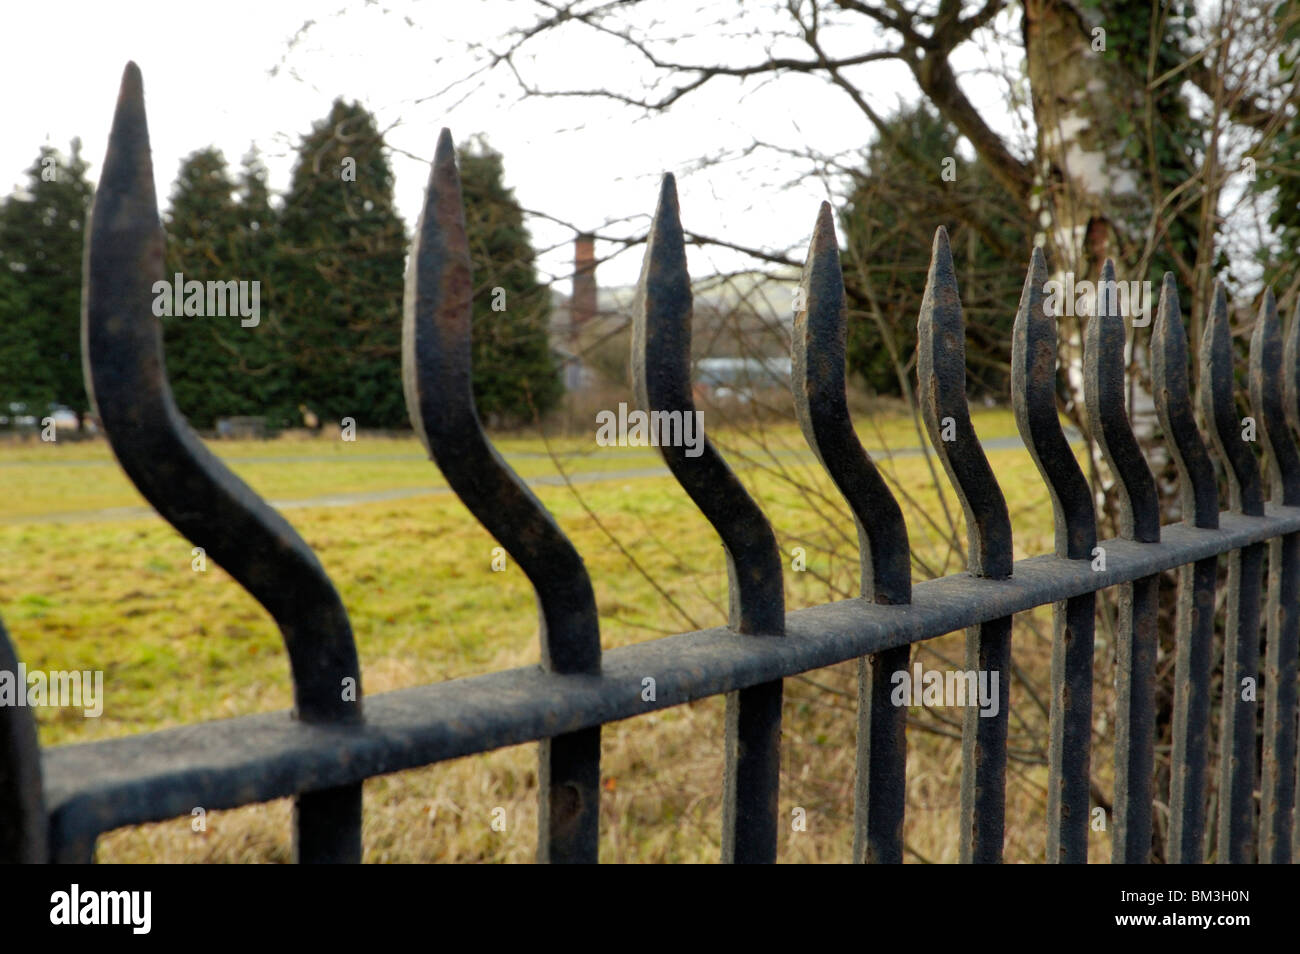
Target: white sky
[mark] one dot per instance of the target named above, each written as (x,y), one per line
(208,71)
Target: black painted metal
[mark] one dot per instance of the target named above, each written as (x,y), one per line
(1282,614)
(186,483)
(1245,568)
(1033,396)
(941,373)
(1136,638)
(1291,376)
(436,373)
(54,803)
(94,787)
(661,379)
(1194,622)
(820,334)
(23,833)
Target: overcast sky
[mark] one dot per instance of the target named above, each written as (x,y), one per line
(240,73)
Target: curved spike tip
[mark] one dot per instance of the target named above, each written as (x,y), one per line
(1219,405)
(941,266)
(132,79)
(1104,390)
(1033,399)
(437,381)
(667,204)
(1038,267)
(822,244)
(123,362)
(941,373)
(661,381)
(818,383)
(1268,402)
(665,242)
(444,151)
(825,226)
(1197,484)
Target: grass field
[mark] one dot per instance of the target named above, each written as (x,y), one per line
(81,590)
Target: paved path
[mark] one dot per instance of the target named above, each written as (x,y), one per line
(404,493)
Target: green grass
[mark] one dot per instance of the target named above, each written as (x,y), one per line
(67,478)
(177,646)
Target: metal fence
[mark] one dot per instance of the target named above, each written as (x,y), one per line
(54,803)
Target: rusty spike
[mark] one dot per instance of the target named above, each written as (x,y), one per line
(122,358)
(1194,623)
(941,370)
(820,331)
(1169,377)
(661,379)
(1268,402)
(1237,736)
(1278,760)
(436,375)
(819,397)
(125,375)
(1033,396)
(1104,388)
(1219,407)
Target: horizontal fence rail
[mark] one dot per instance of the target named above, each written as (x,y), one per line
(56,802)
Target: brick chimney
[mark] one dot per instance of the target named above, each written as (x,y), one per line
(583,307)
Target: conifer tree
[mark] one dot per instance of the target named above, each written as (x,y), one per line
(339,278)
(516,376)
(218,230)
(25,386)
(202,238)
(42,233)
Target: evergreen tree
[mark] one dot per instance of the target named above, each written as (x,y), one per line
(265,368)
(1280,170)
(42,234)
(889,224)
(202,235)
(515,374)
(25,385)
(339,281)
(219,366)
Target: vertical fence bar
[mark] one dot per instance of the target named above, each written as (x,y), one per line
(941,372)
(1194,621)
(820,333)
(661,378)
(1291,387)
(23,829)
(1278,761)
(1033,396)
(1136,638)
(189,486)
(436,374)
(1245,567)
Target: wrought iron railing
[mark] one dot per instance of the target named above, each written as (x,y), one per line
(55,802)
